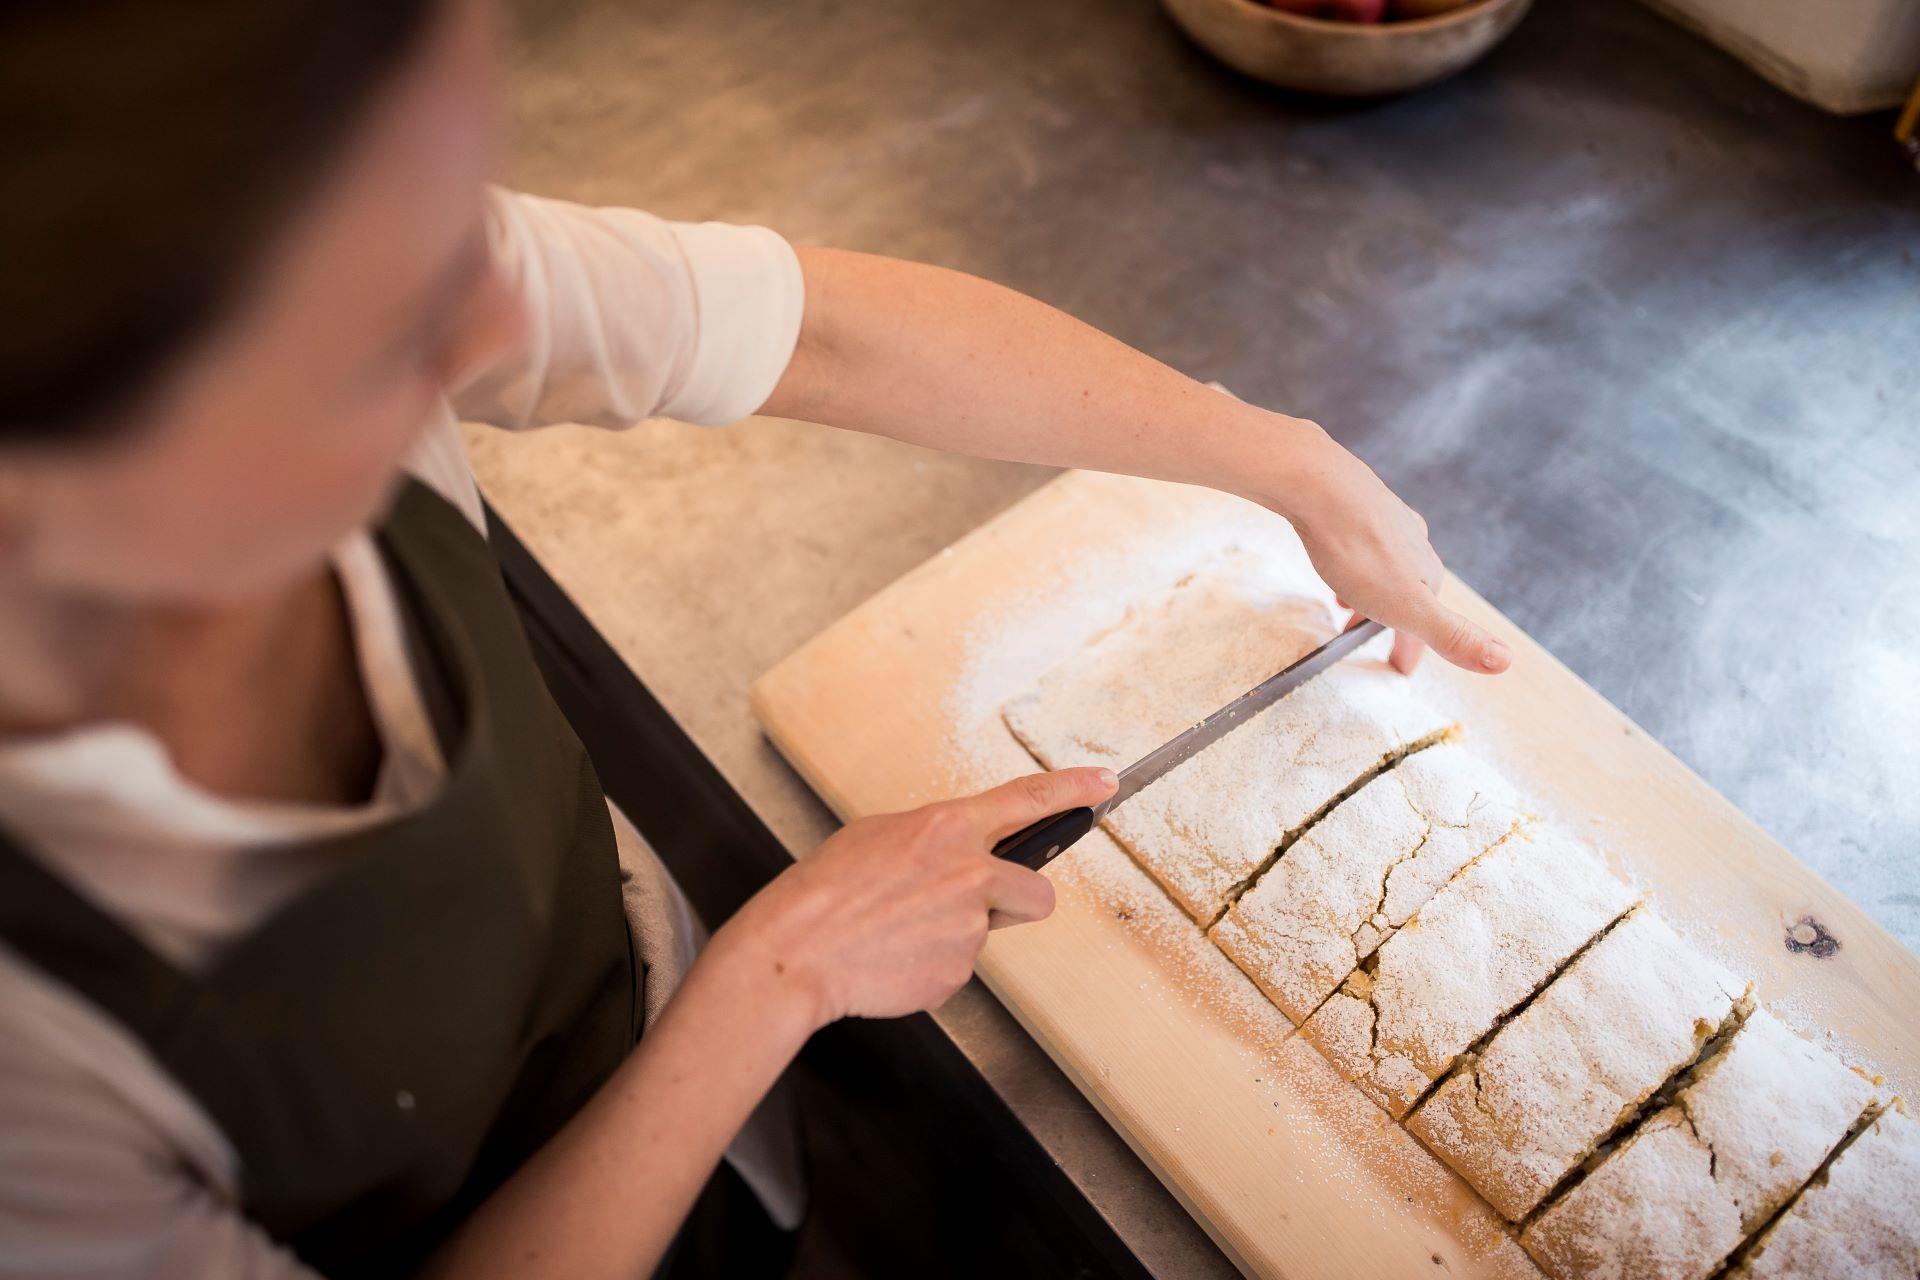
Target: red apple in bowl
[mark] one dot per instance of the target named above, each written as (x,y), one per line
(1270,41)
(1426,8)
(1335,10)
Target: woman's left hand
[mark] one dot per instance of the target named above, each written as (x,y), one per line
(946,360)
(1372,549)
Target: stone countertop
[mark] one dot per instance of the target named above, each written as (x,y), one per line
(1632,329)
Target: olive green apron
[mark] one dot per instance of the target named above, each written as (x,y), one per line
(384,1050)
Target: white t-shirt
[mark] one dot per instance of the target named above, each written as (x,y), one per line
(108,1167)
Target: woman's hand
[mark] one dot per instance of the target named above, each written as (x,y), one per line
(887,916)
(1372,550)
(883,919)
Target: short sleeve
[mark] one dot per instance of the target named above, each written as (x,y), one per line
(106,1169)
(631,317)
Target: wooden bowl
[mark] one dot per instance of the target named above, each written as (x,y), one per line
(1344,59)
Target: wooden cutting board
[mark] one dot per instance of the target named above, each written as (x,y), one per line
(1286,1165)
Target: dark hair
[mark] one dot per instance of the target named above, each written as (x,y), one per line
(151,150)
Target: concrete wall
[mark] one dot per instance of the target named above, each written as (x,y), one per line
(1843,55)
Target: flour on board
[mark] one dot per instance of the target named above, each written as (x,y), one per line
(1198,973)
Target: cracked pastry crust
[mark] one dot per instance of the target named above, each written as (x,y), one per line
(1362,871)
(1205,829)
(1746,1129)
(1654,1175)
(1862,1221)
(1479,948)
(1209,827)
(1581,1059)
(1601,1084)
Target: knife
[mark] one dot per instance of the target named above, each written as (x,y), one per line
(1037,845)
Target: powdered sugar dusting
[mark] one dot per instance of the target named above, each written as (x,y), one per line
(1171,661)
(1863,1220)
(1665,1166)
(1197,972)
(1595,1045)
(1402,1020)
(1748,1129)
(1015,639)
(1362,871)
(1206,827)
(1385,1175)
(1479,948)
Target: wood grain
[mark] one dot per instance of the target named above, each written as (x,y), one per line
(1287,1166)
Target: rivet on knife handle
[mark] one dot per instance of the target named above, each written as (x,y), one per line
(1037,845)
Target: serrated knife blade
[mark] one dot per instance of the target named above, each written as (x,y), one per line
(1037,845)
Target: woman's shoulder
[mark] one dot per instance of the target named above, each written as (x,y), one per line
(439,461)
(109,1167)
(72,1073)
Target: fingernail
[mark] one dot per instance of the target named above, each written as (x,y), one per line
(1107,778)
(1494,656)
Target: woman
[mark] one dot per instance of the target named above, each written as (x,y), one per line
(315,953)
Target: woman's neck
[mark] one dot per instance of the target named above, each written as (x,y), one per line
(257,699)
(69,660)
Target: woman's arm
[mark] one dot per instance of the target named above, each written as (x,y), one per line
(606,1196)
(883,919)
(627,316)
(939,358)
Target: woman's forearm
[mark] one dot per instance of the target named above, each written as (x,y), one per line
(940,358)
(606,1196)
(944,359)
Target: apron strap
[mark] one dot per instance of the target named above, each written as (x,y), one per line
(426,656)
(61,932)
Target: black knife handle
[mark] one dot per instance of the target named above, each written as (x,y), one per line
(1035,846)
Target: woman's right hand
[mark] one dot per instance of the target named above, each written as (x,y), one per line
(886,917)
(883,919)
